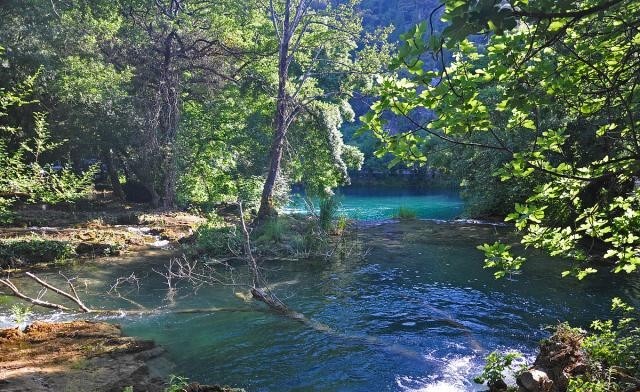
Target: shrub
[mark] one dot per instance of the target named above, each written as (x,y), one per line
(495,366)
(273,230)
(20,313)
(329,207)
(34,250)
(614,345)
(217,238)
(7,217)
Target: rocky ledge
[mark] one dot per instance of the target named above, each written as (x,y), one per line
(80,356)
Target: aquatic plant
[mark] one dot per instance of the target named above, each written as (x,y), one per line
(329,207)
(405,213)
(496,364)
(177,383)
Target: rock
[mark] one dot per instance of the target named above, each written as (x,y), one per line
(195,387)
(76,356)
(560,358)
(535,380)
(498,386)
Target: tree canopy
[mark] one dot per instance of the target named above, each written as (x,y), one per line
(551,95)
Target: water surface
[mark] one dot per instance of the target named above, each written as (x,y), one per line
(373,205)
(417,314)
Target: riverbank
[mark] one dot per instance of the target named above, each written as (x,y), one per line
(83,356)
(90,230)
(76,356)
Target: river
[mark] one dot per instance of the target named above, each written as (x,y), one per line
(419,313)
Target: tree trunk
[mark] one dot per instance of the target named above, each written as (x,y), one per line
(169,120)
(107,158)
(267,207)
(169,191)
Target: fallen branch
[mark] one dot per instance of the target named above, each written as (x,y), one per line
(17,293)
(63,293)
(259,288)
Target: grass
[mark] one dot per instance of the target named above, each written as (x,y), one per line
(217,238)
(273,230)
(405,213)
(329,207)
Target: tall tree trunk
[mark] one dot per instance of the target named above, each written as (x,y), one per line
(107,159)
(168,121)
(170,180)
(267,207)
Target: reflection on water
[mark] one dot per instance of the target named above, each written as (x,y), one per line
(417,315)
(367,205)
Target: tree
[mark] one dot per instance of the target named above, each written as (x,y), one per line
(23,174)
(564,77)
(321,59)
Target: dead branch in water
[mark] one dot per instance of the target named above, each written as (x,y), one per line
(73,297)
(259,287)
(46,286)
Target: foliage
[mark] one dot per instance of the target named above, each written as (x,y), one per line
(218,238)
(35,250)
(581,384)
(273,230)
(22,172)
(495,367)
(177,383)
(6,215)
(616,344)
(329,207)
(341,225)
(405,213)
(499,257)
(612,350)
(20,313)
(544,91)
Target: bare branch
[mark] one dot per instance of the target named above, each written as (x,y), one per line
(60,292)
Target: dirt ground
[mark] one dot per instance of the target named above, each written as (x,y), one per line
(76,356)
(83,356)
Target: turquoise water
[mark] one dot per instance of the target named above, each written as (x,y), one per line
(365,204)
(418,313)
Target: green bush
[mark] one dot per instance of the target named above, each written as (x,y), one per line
(20,313)
(7,217)
(273,230)
(34,250)
(329,207)
(405,213)
(496,364)
(217,238)
(612,345)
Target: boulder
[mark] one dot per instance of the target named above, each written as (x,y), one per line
(534,380)
(560,358)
